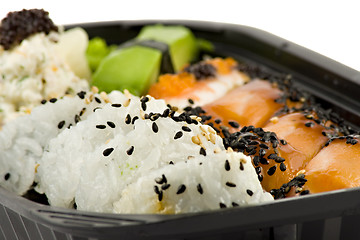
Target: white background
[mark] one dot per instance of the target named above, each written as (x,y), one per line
(331,28)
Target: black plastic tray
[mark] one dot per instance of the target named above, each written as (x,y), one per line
(332,215)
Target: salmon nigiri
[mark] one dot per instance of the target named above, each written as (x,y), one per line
(335,166)
(304,138)
(251,104)
(200,83)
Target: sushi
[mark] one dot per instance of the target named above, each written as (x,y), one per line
(202,83)
(117,141)
(24,140)
(31,67)
(215,134)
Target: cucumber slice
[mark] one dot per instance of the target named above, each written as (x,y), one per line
(134,68)
(181,41)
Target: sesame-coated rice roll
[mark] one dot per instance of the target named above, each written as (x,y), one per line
(24,140)
(224,181)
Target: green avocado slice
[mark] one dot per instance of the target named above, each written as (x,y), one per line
(181,42)
(134,68)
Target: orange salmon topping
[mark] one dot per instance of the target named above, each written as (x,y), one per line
(223,66)
(172,85)
(334,167)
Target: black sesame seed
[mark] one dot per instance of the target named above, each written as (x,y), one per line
(218,121)
(262,145)
(116,105)
(128,119)
(97,100)
(144,99)
(130,150)
(160,196)
(279,159)
(154,116)
(309,124)
(234,124)
(230,184)
(241,166)
(77,118)
(227,165)
(143,106)
(191,101)
(222,205)
(108,151)
(100,126)
(181,189)
(178,135)
(262,152)
(249,192)
(82,112)
(53,100)
(110,124)
(251,148)
(271,170)
(96,109)
(166,113)
(282,166)
(260,177)
(186,129)
(81,94)
(7,176)
(283,141)
(272,156)
(61,124)
(171,162)
(43,101)
(156,189)
(200,189)
(253,152)
(258,170)
(202,151)
(256,160)
(134,119)
(164,179)
(264,161)
(305,192)
(155,127)
(187,109)
(165,186)
(234,204)
(160,180)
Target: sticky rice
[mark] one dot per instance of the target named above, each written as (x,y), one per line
(98,164)
(24,140)
(31,72)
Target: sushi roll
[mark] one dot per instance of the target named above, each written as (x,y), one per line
(136,64)
(225,180)
(335,166)
(200,83)
(32,66)
(252,104)
(24,140)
